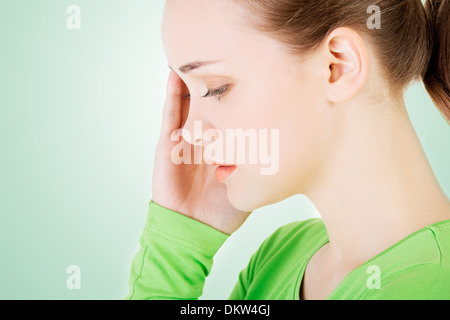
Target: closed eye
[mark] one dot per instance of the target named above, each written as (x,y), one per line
(218,93)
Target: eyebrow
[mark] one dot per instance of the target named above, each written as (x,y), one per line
(194,66)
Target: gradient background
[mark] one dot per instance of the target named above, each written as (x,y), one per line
(79,121)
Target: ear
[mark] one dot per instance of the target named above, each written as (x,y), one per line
(348,64)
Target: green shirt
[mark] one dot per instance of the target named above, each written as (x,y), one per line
(176,255)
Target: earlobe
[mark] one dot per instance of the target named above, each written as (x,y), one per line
(348,64)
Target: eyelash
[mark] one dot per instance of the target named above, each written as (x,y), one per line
(218,93)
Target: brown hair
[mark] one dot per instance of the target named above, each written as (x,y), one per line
(412,44)
(437,76)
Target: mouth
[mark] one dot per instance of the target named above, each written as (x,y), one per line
(223,172)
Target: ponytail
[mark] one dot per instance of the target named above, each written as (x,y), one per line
(437,76)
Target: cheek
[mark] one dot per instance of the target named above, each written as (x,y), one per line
(294,111)
(289,159)
(248,190)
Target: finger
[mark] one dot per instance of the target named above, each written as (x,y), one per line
(171,115)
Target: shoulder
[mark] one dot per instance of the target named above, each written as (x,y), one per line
(314,226)
(426,277)
(301,233)
(291,241)
(422,282)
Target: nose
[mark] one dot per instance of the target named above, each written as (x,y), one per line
(195,126)
(193,132)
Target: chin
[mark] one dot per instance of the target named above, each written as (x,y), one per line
(246,200)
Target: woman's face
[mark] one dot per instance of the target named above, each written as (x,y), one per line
(260,89)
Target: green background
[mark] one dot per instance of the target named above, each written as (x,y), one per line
(79,121)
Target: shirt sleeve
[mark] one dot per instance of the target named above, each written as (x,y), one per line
(175,257)
(239,291)
(246,275)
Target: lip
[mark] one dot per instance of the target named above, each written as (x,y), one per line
(223,172)
(216,164)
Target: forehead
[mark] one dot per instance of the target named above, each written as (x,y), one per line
(220,30)
(196,30)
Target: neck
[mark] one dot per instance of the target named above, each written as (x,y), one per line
(377,187)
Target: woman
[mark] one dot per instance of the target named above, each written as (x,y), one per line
(329,77)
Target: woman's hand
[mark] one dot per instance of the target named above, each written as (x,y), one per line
(189,189)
